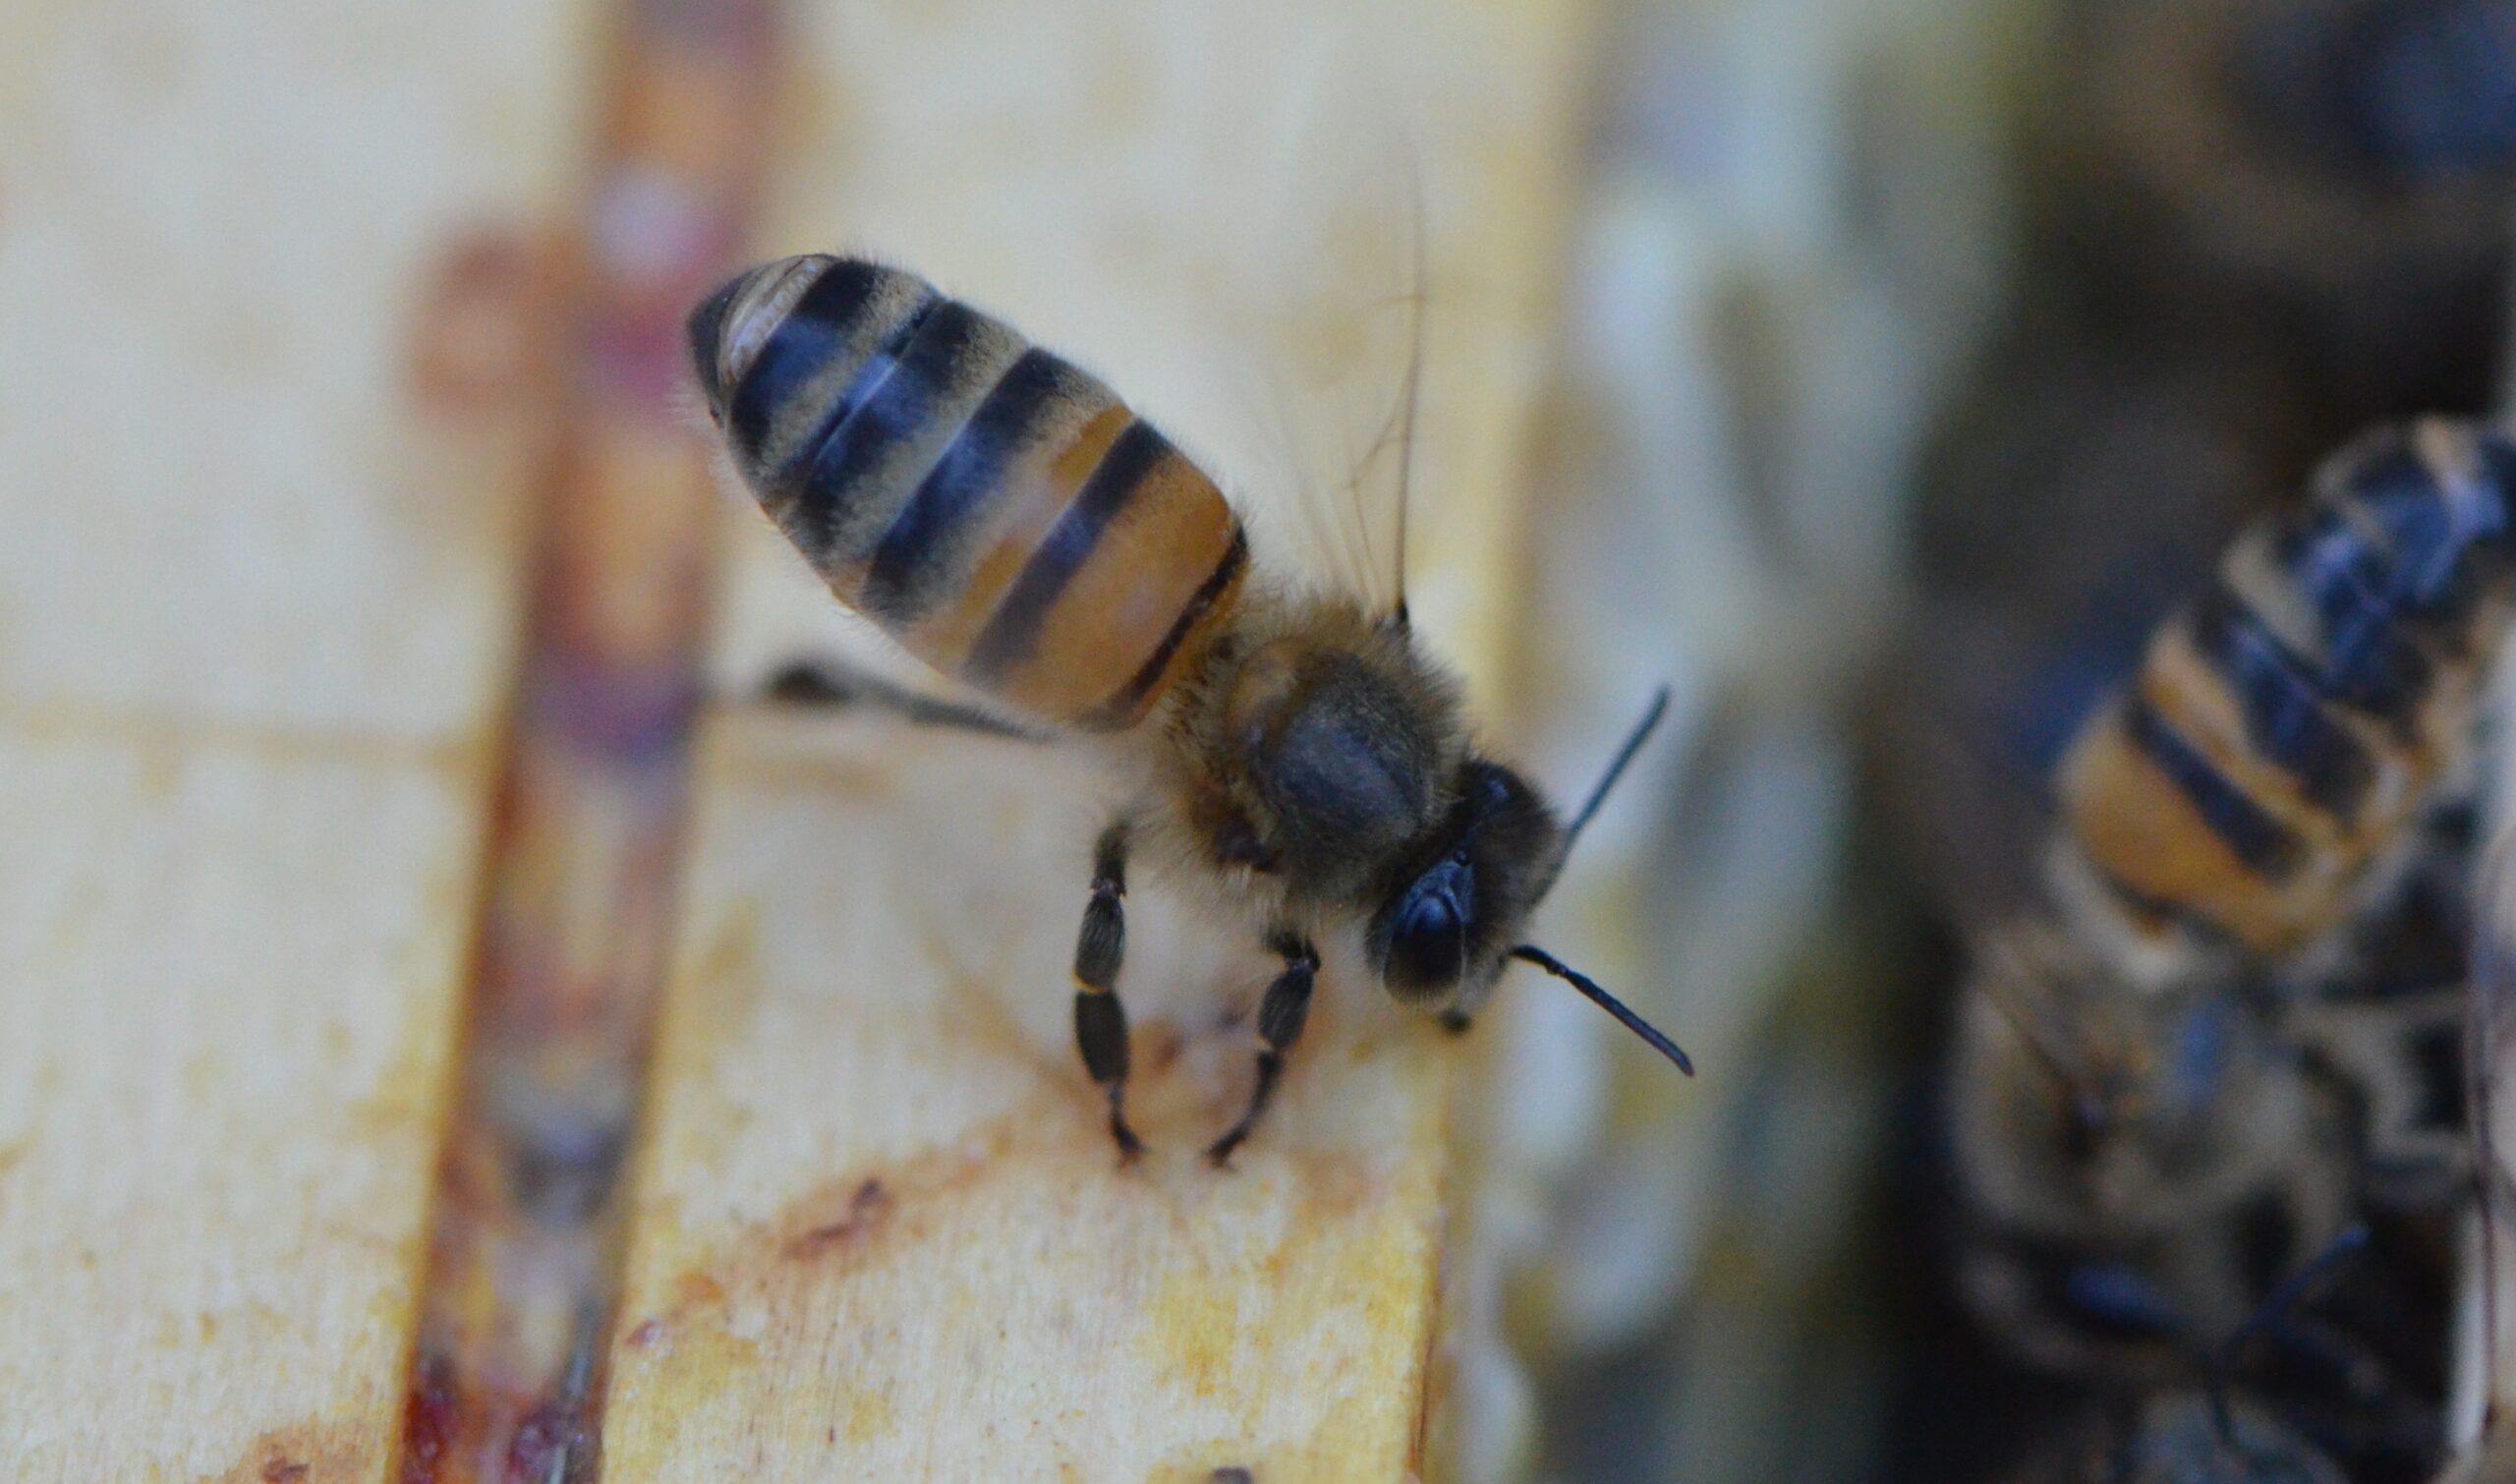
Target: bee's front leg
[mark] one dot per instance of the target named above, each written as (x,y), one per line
(1099,1020)
(1280,1020)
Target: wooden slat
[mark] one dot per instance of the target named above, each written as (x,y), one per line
(228,1022)
(258,554)
(881,1235)
(879,1231)
(223,491)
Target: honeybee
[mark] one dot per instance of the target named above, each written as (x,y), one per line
(1010,521)
(2292,1393)
(2285,1393)
(2136,1166)
(2224,1031)
(2264,774)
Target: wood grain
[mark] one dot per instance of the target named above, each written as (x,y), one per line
(259,538)
(879,1227)
(227,490)
(229,1020)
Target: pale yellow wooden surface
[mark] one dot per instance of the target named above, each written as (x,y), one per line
(224,972)
(255,612)
(880,1232)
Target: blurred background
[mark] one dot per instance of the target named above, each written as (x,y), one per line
(1875,374)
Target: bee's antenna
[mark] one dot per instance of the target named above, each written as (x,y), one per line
(2300,1285)
(1633,741)
(2129,1297)
(2219,1363)
(1532,953)
(1414,383)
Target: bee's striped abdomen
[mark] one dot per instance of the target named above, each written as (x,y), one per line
(997,511)
(2281,733)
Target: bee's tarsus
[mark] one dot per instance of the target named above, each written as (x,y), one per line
(1219,1152)
(1130,1148)
(1281,1015)
(1100,950)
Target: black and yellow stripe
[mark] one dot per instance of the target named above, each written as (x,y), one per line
(2283,732)
(1001,513)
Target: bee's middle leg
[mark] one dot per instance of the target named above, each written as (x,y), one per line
(1099,1020)
(1280,1020)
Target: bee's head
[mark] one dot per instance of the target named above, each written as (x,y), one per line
(1451,916)
(2111,1100)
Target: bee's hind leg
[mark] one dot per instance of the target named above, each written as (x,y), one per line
(1099,1020)
(826,682)
(1280,1020)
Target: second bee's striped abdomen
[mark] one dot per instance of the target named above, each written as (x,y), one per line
(997,511)
(2281,734)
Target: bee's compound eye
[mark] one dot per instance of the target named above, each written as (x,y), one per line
(1427,941)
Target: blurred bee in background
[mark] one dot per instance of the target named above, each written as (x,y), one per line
(2180,1191)
(2213,1017)
(2212,1429)
(2136,1165)
(1009,520)
(2271,758)
(2180,1070)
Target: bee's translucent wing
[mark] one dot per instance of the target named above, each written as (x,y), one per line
(1276,334)
(1346,504)
(1377,480)
(1329,372)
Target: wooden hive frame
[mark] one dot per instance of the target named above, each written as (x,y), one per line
(871,1227)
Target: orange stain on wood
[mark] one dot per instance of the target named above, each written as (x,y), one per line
(866,1210)
(482,335)
(315,1453)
